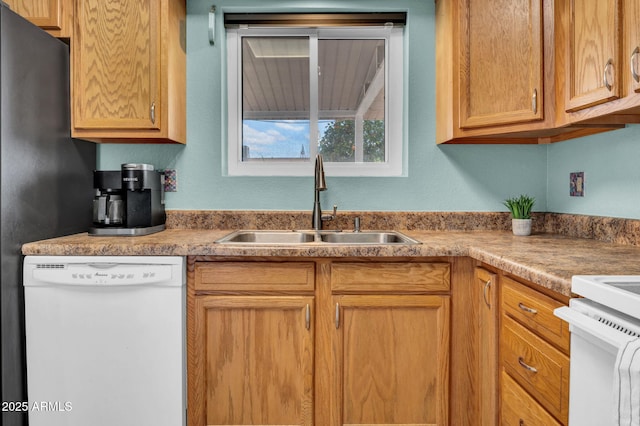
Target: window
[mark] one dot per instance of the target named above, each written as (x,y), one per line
(296,92)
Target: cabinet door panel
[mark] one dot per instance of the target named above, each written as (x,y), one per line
(256,362)
(632,32)
(594,42)
(116,65)
(53,16)
(43,13)
(501,75)
(391,360)
(487,367)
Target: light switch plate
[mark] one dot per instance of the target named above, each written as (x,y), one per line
(576,184)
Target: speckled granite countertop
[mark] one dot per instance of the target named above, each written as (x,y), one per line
(548,260)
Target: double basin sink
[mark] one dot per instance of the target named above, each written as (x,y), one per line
(306,237)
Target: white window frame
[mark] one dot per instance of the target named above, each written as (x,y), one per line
(395,146)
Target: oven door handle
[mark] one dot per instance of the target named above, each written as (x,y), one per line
(593,327)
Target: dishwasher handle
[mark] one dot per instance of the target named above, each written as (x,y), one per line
(590,327)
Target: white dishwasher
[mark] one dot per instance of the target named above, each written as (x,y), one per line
(105,340)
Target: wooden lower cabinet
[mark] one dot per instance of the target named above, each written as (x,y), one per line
(487,360)
(337,342)
(291,342)
(390,357)
(256,363)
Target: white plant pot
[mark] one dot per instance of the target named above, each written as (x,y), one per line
(521,227)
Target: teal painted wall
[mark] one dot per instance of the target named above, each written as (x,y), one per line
(439,178)
(611,164)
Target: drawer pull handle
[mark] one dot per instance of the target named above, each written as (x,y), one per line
(521,422)
(337,315)
(527,309)
(307,317)
(526,366)
(484,293)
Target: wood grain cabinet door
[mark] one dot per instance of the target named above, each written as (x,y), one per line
(255,355)
(116,65)
(594,63)
(632,46)
(487,367)
(501,73)
(391,358)
(53,16)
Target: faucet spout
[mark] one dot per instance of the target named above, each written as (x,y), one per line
(319,185)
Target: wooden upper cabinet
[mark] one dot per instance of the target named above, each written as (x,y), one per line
(53,16)
(603,61)
(128,71)
(501,73)
(117,65)
(594,71)
(632,42)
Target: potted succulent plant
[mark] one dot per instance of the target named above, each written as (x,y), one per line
(520,208)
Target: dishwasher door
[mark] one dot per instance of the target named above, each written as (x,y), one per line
(597,334)
(105,340)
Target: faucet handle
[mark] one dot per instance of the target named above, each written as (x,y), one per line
(331,216)
(356,224)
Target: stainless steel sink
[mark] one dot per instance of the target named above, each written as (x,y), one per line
(367,237)
(326,237)
(268,237)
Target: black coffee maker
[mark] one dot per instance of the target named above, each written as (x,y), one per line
(129,201)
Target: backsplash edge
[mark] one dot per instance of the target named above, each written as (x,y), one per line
(608,229)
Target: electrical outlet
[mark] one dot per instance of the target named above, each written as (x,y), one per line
(170,180)
(576,184)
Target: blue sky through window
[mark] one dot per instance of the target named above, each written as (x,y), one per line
(279,138)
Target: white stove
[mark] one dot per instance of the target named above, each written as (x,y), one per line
(619,292)
(604,322)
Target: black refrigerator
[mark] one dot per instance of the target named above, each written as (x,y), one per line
(46,183)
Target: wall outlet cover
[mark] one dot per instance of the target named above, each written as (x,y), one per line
(576,184)
(170,180)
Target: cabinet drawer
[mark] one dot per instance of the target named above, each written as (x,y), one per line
(389,276)
(539,367)
(255,276)
(535,310)
(518,408)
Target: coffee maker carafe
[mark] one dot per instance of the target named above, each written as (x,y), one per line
(108,206)
(129,201)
